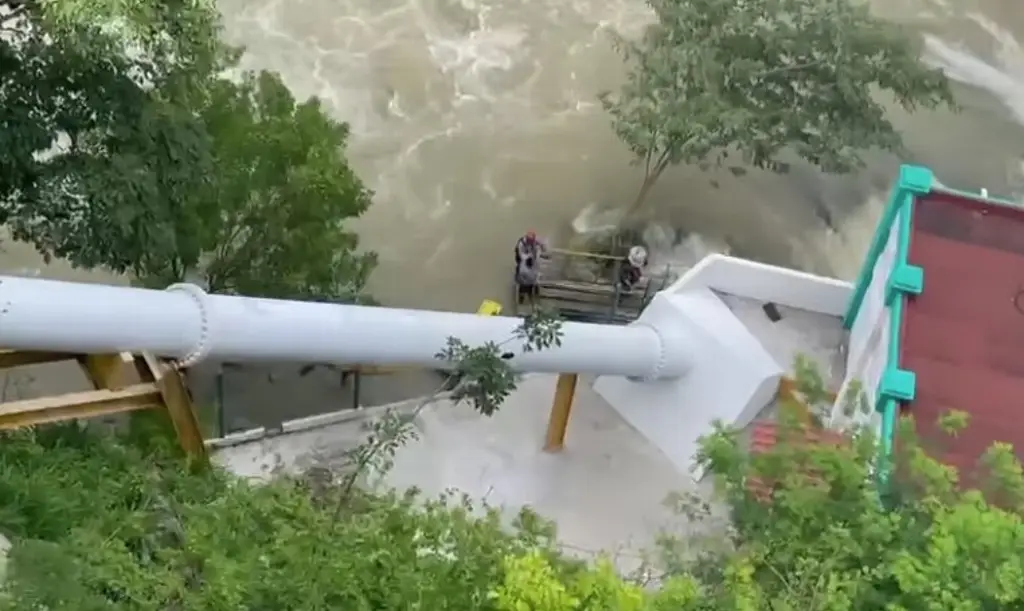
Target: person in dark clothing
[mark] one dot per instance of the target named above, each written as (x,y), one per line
(527,275)
(632,270)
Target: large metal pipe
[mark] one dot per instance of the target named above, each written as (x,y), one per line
(186,323)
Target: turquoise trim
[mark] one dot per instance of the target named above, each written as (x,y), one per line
(897,385)
(904,280)
(913,180)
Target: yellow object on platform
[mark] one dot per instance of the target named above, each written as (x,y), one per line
(489,308)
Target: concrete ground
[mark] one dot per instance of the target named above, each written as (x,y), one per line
(606,490)
(819,337)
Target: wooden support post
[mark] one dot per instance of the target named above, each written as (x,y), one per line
(109,371)
(558,422)
(171,386)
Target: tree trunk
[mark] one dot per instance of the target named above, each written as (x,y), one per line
(641,196)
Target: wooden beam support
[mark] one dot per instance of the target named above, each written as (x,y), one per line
(89,404)
(176,398)
(561,407)
(10,359)
(109,371)
(123,383)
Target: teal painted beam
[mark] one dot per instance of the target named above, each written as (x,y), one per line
(913,180)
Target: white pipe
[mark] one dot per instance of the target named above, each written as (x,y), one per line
(185,323)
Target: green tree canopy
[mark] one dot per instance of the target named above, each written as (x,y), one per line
(123,147)
(739,83)
(96,151)
(270,220)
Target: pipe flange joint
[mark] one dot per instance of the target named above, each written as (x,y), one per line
(674,346)
(202,346)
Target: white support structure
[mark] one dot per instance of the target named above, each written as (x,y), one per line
(736,375)
(186,323)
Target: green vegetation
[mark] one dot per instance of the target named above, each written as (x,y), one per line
(157,166)
(102,523)
(738,84)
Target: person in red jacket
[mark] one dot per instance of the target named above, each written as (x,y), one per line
(529,246)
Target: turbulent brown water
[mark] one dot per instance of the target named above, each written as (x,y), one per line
(475,120)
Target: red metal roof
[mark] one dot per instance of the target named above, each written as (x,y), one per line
(764,435)
(964,335)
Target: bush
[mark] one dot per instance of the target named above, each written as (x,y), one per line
(824,539)
(100,523)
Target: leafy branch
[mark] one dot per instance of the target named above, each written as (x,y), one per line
(711,82)
(480,375)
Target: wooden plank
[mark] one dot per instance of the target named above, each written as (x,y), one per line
(19,358)
(179,406)
(603,290)
(564,252)
(583,307)
(634,301)
(109,371)
(31,412)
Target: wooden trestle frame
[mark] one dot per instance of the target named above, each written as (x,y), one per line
(121,383)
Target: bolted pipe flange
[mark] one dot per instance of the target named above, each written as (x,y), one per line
(202,346)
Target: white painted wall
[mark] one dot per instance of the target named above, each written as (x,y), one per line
(868,352)
(855,402)
(873,311)
(763,282)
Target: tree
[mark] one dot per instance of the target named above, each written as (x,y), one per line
(153,164)
(97,151)
(269,221)
(739,83)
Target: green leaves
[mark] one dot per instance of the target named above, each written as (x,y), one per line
(273,216)
(482,375)
(139,533)
(99,524)
(814,535)
(99,152)
(122,147)
(741,82)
